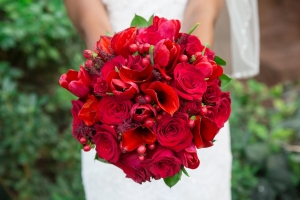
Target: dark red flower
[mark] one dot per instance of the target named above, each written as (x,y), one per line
(167,28)
(89,112)
(192,107)
(76,107)
(164,95)
(132,167)
(133,138)
(212,94)
(114,110)
(121,89)
(141,112)
(189,82)
(204,66)
(173,132)
(189,157)
(103,48)
(100,86)
(163,163)
(106,143)
(136,76)
(217,70)
(111,65)
(224,109)
(122,40)
(77,83)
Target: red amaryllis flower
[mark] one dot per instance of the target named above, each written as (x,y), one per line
(189,157)
(163,163)
(173,132)
(166,55)
(136,76)
(164,95)
(189,82)
(106,143)
(224,109)
(89,112)
(133,138)
(122,40)
(121,89)
(114,110)
(103,48)
(132,167)
(111,65)
(140,113)
(76,82)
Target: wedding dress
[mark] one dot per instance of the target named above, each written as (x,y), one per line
(210,181)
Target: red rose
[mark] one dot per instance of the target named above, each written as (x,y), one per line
(77,122)
(114,110)
(224,109)
(76,82)
(212,94)
(189,157)
(204,66)
(173,132)
(163,163)
(100,86)
(192,107)
(189,82)
(132,167)
(106,143)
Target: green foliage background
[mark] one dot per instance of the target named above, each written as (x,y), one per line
(39,158)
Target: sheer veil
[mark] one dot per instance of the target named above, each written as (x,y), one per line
(244,37)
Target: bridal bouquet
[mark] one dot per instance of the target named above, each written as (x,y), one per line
(147,98)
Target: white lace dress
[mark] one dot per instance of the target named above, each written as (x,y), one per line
(210,181)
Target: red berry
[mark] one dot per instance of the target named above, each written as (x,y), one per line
(148,98)
(137,97)
(158,117)
(88,54)
(146,47)
(82,140)
(149,122)
(89,64)
(151,146)
(142,157)
(87,148)
(204,110)
(113,126)
(198,54)
(133,48)
(147,56)
(141,49)
(157,108)
(141,149)
(183,58)
(191,123)
(145,62)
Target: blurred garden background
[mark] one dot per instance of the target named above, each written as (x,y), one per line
(39,159)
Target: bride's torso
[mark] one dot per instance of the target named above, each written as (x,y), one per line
(121,12)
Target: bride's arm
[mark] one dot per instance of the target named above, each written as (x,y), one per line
(90,19)
(206,13)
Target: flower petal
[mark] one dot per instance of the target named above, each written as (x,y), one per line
(121,41)
(130,75)
(163,94)
(133,138)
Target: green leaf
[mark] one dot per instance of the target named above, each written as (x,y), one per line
(151,54)
(150,21)
(220,61)
(184,171)
(171,181)
(193,28)
(225,80)
(139,21)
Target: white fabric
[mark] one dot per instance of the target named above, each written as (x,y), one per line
(244,37)
(211,181)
